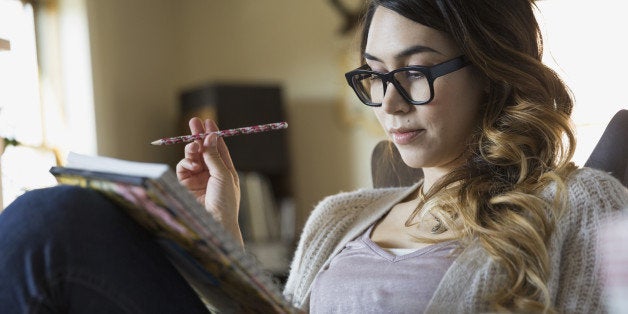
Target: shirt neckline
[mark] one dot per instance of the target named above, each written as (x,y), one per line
(366,239)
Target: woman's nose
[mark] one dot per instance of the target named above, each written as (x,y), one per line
(393,102)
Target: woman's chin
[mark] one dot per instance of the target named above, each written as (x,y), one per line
(412,161)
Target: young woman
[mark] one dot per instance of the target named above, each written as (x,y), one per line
(501,221)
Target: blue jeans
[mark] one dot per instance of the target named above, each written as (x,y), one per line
(70,250)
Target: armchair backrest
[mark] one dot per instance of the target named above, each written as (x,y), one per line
(611,152)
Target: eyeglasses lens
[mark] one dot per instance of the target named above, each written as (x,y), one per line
(370,87)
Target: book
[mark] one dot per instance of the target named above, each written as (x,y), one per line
(259,208)
(227,278)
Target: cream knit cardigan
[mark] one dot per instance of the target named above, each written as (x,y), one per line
(575,281)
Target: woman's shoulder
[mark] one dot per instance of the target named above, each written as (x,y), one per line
(585,183)
(591,174)
(360,196)
(593,184)
(593,196)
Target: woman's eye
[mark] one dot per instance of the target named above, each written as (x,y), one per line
(415,75)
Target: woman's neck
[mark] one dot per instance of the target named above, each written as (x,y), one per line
(431,176)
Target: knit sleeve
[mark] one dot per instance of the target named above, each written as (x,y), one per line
(595,198)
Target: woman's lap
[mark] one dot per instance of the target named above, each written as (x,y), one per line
(72,250)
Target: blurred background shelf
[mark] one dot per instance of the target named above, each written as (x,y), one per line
(5,45)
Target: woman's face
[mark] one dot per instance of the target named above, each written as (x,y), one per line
(433,135)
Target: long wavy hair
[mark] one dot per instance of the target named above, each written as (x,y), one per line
(523,143)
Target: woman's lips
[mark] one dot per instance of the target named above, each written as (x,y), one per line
(405,137)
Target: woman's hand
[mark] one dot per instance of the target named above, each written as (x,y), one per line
(208,172)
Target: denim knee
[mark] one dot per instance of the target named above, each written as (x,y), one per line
(66,245)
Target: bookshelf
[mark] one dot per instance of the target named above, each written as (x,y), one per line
(262,160)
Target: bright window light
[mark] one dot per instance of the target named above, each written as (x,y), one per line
(20,110)
(584,46)
(24,167)
(46,109)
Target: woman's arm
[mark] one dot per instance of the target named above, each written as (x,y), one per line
(596,199)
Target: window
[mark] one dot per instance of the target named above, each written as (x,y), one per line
(45,100)
(582,46)
(25,166)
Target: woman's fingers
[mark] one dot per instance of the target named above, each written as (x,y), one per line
(212,157)
(191,150)
(223,151)
(222,147)
(226,157)
(196,126)
(187,164)
(192,161)
(210,153)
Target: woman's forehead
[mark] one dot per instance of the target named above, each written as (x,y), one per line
(390,34)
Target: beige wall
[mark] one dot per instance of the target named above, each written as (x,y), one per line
(132,53)
(145,51)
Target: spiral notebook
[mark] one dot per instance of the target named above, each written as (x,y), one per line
(225,277)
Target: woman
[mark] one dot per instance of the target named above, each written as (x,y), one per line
(501,221)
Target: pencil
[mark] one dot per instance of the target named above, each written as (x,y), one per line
(223,133)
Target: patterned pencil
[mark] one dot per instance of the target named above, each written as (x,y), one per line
(222,133)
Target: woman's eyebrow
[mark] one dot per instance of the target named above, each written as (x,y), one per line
(405,53)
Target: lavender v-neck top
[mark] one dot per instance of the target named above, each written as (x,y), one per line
(364,278)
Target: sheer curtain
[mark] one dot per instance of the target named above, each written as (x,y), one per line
(47,107)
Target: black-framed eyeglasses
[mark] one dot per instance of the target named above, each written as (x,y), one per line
(414,83)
